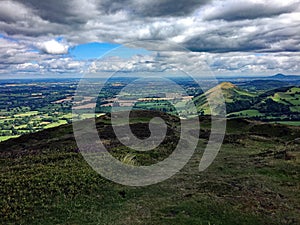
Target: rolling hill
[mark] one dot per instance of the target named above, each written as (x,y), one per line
(254,179)
(263,85)
(277,104)
(233,95)
(281,76)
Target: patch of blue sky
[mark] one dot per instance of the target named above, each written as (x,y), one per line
(259,54)
(97,50)
(8,38)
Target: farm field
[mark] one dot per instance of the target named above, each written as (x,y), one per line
(46,107)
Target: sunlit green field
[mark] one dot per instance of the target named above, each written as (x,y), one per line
(291,123)
(4,138)
(247,113)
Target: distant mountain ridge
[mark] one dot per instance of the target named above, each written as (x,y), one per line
(281,76)
(265,85)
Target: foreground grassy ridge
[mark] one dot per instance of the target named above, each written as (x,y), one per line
(254,180)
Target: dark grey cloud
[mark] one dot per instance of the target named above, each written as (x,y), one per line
(242,10)
(264,35)
(56,11)
(76,11)
(184,22)
(215,43)
(154,8)
(8,11)
(210,27)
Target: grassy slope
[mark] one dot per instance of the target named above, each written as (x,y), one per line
(254,180)
(291,123)
(230,92)
(4,138)
(289,96)
(246,113)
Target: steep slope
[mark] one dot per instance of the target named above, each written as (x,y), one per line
(236,99)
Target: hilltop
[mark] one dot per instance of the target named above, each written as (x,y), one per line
(232,95)
(281,76)
(230,92)
(227,85)
(254,179)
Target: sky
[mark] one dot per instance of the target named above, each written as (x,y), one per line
(64,38)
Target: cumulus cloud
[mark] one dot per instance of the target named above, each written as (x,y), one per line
(18,57)
(254,64)
(201,64)
(53,47)
(211,27)
(199,25)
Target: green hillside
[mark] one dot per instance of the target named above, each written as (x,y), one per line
(254,179)
(277,104)
(291,98)
(235,98)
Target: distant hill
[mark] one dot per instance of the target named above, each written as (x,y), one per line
(277,104)
(232,95)
(281,76)
(230,91)
(264,85)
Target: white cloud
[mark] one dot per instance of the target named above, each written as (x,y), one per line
(226,33)
(28,66)
(54,47)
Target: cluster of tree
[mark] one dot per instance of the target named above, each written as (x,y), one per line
(273,108)
(14,98)
(239,105)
